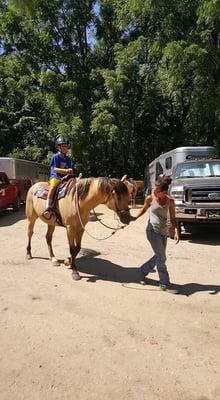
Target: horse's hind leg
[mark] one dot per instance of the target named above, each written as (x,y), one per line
(75,246)
(31,223)
(49,235)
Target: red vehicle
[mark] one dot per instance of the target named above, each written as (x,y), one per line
(23,172)
(10,193)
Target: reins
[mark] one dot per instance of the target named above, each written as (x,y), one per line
(107,226)
(98,219)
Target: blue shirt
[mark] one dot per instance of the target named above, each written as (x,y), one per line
(58,161)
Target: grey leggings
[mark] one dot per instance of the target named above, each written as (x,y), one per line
(158,243)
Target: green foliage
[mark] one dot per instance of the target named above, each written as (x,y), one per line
(124,84)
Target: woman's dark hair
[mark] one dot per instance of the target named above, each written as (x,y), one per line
(161,185)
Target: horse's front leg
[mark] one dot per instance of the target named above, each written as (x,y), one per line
(49,236)
(75,246)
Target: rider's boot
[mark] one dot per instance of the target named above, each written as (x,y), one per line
(48,210)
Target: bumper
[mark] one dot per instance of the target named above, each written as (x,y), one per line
(198,215)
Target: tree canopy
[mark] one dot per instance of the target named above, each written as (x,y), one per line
(124,81)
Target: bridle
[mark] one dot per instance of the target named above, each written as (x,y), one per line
(115,229)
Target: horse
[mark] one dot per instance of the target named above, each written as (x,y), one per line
(140,186)
(74,210)
(133,188)
(130,183)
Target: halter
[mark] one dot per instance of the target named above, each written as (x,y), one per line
(98,219)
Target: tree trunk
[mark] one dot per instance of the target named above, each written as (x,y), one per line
(211,129)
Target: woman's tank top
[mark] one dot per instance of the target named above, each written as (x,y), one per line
(158,217)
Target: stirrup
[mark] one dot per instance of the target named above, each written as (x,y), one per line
(47,214)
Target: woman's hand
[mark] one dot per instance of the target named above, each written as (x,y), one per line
(177,235)
(173,220)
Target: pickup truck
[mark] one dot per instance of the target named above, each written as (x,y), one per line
(10,193)
(195,189)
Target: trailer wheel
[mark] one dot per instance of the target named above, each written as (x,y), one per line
(17,204)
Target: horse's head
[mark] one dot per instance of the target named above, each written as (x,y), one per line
(119,200)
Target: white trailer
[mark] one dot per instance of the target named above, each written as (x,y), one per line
(25,172)
(165,163)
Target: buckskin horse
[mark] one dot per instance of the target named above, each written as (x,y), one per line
(133,188)
(74,209)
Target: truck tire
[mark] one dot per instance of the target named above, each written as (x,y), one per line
(17,204)
(188,228)
(180,229)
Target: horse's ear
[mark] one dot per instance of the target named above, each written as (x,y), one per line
(123,178)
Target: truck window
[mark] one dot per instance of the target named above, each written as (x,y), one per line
(168,162)
(216,169)
(197,169)
(2,180)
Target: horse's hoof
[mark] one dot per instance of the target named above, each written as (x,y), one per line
(76,276)
(55,262)
(67,262)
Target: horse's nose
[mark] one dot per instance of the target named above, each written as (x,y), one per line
(125,217)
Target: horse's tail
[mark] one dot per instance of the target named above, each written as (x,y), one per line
(29,206)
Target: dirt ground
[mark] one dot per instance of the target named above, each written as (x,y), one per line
(106,336)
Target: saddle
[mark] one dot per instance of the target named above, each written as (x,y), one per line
(63,188)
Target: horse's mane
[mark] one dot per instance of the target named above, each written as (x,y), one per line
(82,185)
(106,185)
(119,186)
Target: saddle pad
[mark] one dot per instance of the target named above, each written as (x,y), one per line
(61,192)
(42,192)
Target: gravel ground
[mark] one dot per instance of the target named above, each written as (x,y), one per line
(106,337)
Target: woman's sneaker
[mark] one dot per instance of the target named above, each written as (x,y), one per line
(168,288)
(163,286)
(142,278)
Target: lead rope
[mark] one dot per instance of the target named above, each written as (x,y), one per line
(83,226)
(107,226)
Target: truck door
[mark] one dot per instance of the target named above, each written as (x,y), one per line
(3,192)
(7,192)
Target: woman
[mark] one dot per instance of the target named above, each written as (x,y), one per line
(159,204)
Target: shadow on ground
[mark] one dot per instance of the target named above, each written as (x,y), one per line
(106,270)
(9,217)
(203,234)
(97,269)
(83,253)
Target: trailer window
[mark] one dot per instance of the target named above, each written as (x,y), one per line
(159,170)
(168,163)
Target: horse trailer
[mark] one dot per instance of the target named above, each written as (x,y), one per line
(24,172)
(166,162)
